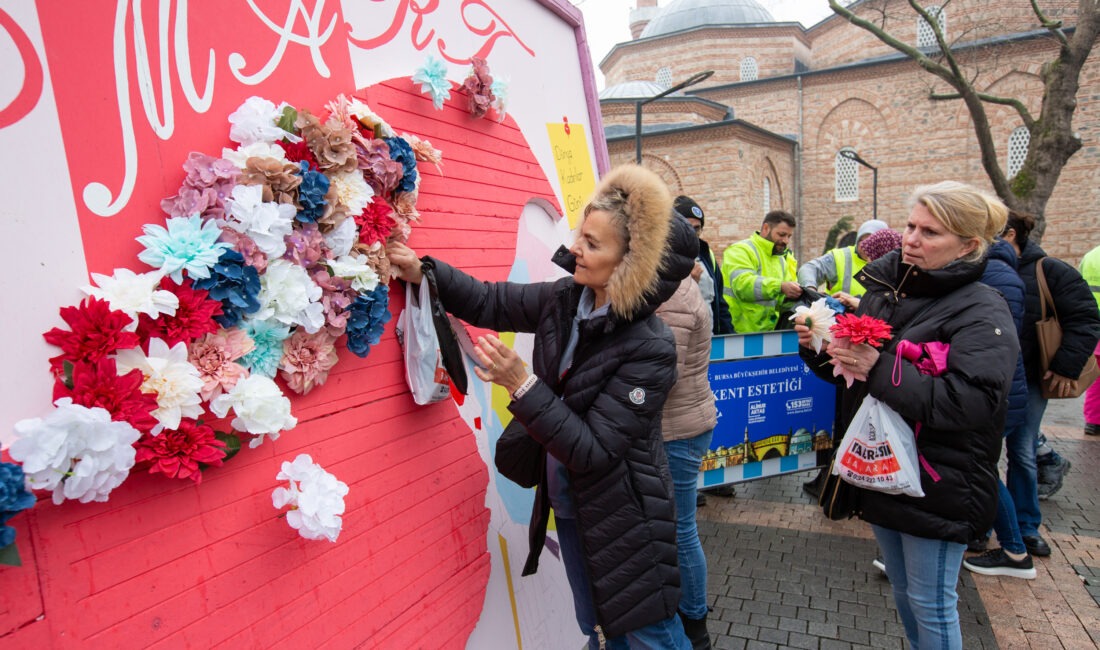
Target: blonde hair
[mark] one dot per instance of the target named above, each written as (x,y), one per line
(966,211)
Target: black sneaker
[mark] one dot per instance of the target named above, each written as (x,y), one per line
(1050,477)
(996,563)
(1036,546)
(1092,429)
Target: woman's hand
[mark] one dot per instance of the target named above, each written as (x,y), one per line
(859,359)
(404,260)
(1062,386)
(804,337)
(848,300)
(500,364)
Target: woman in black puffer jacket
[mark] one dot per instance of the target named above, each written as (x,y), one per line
(603,365)
(929,291)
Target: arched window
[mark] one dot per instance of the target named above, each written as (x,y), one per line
(925,36)
(664,77)
(767,195)
(1017,150)
(749,70)
(847,177)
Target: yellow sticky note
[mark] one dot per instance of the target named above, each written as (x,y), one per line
(575,172)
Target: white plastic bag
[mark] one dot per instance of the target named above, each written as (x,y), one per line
(427,378)
(879,451)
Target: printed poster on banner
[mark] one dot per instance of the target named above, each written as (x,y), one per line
(768,407)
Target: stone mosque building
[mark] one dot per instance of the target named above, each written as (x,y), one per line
(765,131)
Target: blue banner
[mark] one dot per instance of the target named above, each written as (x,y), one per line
(768,407)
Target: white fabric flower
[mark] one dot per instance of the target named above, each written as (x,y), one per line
(167,372)
(241,154)
(341,238)
(352,191)
(364,114)
(819,317)
(354,267)
(256,120)
(267,224)
(259,406)
(134,293)
(290,296)
(75,451)
(316,498)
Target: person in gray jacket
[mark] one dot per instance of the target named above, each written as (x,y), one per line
(602,368)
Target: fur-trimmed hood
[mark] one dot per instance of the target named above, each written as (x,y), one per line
(649,211)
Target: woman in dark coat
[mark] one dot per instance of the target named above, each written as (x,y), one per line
(603,365)
(929,291)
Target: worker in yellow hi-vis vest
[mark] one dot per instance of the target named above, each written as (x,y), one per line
(760,275)
(836,269)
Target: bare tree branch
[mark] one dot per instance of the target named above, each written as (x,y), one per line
(1053,26)
(1025,114)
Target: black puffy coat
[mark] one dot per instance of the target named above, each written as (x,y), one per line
(605,427)
(1076,313)
(961,412)
(1000,273)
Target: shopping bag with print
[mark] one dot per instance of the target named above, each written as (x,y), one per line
(428,380)
(879,452)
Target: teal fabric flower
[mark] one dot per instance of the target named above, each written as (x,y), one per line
(187,244)
(500,97)
(432,78)
(264,359)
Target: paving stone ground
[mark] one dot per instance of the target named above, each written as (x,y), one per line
(781,575)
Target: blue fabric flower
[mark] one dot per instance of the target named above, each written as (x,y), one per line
(235,284)
(432,78)
(188,244)
(835,305)
(401,152)
(311,194)
(265,358)
(14,498)
(368,315)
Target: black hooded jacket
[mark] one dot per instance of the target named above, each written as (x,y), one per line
(961,412)
(1076,314)
(602,420)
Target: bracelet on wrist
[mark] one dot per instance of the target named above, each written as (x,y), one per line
(525,386)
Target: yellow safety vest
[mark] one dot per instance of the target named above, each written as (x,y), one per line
(848,263)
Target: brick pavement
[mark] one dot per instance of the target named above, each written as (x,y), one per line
(782,575)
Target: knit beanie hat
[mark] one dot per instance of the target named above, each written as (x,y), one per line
(870,227)
(689,209)
(879,243)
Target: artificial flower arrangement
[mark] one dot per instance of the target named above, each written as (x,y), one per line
(850,330)
(483,92)
(315,497)
(270,255)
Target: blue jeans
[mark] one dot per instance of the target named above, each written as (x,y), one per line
(684,458)
(1008,529)
(924,573)
(664,635)
(1022,475)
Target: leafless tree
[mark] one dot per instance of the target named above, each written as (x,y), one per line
(1053,140)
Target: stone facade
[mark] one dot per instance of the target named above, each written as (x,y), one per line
(857,93)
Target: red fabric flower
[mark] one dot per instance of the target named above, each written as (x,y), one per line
(178,452)
(299,151)
(99,384)
(375,223)
(194,317)
(96,331)
(861,329)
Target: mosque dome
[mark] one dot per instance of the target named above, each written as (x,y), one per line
(686,14)
(634,89)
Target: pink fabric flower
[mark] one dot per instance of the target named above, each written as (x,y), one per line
(305,245)
(336,296)
(381,172)
(479,87)
(248,249)
(215,356)
(307,358)
(208,183)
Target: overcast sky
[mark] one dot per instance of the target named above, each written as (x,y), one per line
(607,22)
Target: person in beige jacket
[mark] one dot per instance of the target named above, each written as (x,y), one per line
(687,424)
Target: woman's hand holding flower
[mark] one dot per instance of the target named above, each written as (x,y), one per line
(805,338)
(404,262)
(499,364)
